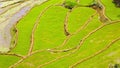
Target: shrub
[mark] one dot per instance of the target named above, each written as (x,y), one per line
(69,4)
(117,66)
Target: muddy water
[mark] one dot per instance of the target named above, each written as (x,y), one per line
(10,19)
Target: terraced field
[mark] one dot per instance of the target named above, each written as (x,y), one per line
(52,35)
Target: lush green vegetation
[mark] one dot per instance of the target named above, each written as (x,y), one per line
(69,4)
(91,43)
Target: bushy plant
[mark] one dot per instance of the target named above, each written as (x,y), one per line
(117,66)
(69,4)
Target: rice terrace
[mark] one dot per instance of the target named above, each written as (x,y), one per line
(59,33)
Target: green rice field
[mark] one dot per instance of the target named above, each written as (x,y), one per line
(51,35)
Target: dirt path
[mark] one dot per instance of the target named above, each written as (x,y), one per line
(100,8)
(35,27)
(67,33)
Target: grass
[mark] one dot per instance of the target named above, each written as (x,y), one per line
(51,25)
(6,61)
(27,23)
(107,57)
(114,13)
(49,34)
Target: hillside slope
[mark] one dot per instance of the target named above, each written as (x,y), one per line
(56,35)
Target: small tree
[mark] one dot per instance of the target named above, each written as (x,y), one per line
(69,4)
